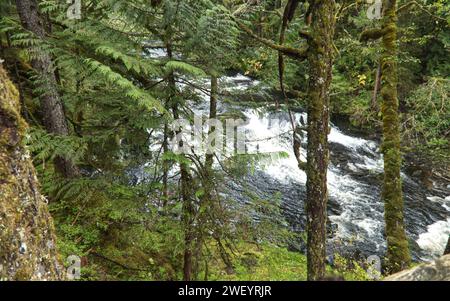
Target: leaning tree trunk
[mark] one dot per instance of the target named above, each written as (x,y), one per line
(320,58)
(53,112)
(398,257)
(27,240)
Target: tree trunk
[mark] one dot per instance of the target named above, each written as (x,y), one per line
(165,166)
(186,193)
(212,115)
(27,239)
(398,257)
(376,89)
(320,58)
(206,204)
(51,104)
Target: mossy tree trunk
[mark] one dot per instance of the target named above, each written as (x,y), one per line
(398,257)
(319,52)
(27,240)
(320,58)
(51,104)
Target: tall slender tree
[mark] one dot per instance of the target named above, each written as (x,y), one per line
(319,53)
(320,58)
(51,103)
(397,256)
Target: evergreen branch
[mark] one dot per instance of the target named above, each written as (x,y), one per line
(411,3)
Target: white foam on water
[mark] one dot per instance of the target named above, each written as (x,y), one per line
(157,53)
(446,204)
(443,202)
(357,206)
(435,239)
(337,136)
(362,211)
(370,164)
(238,82)
(271,136)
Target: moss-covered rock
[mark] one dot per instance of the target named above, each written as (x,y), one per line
(27,240)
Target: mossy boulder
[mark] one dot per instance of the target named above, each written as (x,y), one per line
(27,240)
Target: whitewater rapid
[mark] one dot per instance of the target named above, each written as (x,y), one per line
(354,179)
(350,183)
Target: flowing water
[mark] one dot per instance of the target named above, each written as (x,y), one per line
(356,224)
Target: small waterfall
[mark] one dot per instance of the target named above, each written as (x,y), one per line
(356,221)
(354,182)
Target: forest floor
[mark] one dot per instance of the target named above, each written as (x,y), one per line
(272,263)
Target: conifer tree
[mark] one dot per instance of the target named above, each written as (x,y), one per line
(52,105)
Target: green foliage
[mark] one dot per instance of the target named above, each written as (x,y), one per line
(120,215)
(264,263)
(46,146)
(183,67)
(427,121)
(351,270)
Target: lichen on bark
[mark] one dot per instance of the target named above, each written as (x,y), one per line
(27,240)
(320,59)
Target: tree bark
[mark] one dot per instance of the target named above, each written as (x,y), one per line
(165,166)
(398,257)
(212,115)
(320,58)
(53,111)
(376,89)
(186,192)
(206,203)
(27,239)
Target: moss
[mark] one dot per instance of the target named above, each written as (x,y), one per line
(273,263)
(25,224)
(320,58)
(398,256)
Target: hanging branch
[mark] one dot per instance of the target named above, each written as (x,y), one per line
(295,53)
(411,3)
